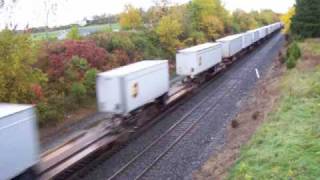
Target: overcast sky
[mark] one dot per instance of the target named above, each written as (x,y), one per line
(71,11)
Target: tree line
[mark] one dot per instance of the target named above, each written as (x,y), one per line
(192,23)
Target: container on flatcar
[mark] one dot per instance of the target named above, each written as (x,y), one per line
(262,33)
(197,59)
(278,26)
(247,39)
(125,89)
(231,45)
(19,140)
(255,35)
(270,29)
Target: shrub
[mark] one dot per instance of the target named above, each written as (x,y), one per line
(17,74)
(120,58)
(112,41)
(294,50)
(144,44)
(293,54)
(88,50)
(51,109)
(291,62)
(74,33)
(58,55)
(90,81)
(78,91)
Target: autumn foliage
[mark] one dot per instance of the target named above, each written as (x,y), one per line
(56,56)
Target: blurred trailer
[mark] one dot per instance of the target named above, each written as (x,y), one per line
(247,39)
(262,33)
(125,89)
(19,140)
(255,35)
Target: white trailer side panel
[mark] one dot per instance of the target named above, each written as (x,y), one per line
(255,35)
(195,60)
(262,33)
(247,39)
(151,85)
(231,45)
(19,143)
(122,90)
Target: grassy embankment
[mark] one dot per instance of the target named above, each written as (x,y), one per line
(287,146)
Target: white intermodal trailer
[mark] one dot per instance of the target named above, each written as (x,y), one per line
(255,35)
(19,143)
(269,29)
(231,45)
(247,39)
(262,33)
(125,89)
(197,59)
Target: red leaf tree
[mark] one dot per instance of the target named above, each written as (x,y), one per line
(56,56)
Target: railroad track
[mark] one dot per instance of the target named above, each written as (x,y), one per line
(181,127)
(89,163)
(81,168)
(174,134)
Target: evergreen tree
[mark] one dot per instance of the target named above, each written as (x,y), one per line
(306,22)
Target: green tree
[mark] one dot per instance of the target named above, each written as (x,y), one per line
(205,13)
(17,74)
(212,26)
(90,81)
(168,31)
(131,18)
(243,21)
(266,17)
(305,22)
(183,15)
(156,12)
(74,33)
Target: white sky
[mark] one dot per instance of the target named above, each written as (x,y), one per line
(33,12)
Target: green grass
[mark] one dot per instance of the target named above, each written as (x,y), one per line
(54,34)
(288,145)
(102,27)
(43,35)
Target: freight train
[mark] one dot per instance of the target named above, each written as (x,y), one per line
(122,92)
